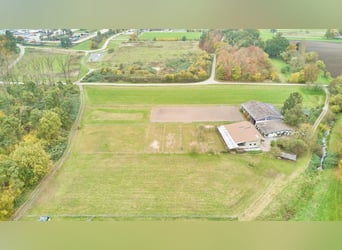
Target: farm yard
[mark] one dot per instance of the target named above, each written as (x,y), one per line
(123,166)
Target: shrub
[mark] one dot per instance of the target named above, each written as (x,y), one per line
(330,161)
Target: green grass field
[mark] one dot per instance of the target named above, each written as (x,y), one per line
(199,95)
(170,35)
(115,171)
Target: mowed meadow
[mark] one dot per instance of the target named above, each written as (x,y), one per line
(117,171)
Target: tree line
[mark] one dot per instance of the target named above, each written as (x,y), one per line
(244,56)
(35,120)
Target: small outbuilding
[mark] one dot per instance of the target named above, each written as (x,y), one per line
(288,156)
(241,135)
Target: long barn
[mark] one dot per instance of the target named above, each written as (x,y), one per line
(260,111)
(266,118)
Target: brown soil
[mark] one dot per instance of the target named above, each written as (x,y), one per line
(196,114)
(330,53)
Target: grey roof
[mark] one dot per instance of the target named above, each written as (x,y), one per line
(231,144)
(272,126)
(288,156)
(260,110)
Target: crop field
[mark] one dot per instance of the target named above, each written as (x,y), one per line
(123,166)
(330,53)
(43,64)
(170,35)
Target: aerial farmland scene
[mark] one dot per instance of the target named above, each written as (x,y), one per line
(170,124)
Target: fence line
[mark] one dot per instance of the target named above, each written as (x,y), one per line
(142,216)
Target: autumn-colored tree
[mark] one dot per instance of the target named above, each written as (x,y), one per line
(32,160)
(297,77)
(247,64)
(332,33)
(209,41)
(311,72)
(311,57)
(49,126)
(134,37)
(335,86)
(7,197)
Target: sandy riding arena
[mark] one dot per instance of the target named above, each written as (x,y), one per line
(196,114)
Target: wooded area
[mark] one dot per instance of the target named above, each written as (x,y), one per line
(35,121)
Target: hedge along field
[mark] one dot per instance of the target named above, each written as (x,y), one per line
(112,171)
(170,36)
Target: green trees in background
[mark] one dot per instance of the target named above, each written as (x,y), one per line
(277,45)
(243,37)
(66,42)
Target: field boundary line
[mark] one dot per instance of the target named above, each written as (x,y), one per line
(142,216)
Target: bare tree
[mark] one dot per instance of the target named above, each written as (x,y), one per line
(64,63)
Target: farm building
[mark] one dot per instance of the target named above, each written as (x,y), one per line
(287,156)
(259,111)
(273,128)
(241,135)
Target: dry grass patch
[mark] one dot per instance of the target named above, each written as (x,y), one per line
(101,115)
(153,184)
(183,138)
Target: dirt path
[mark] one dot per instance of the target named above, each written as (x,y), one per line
(45,181)
(256,208)
(21,54)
